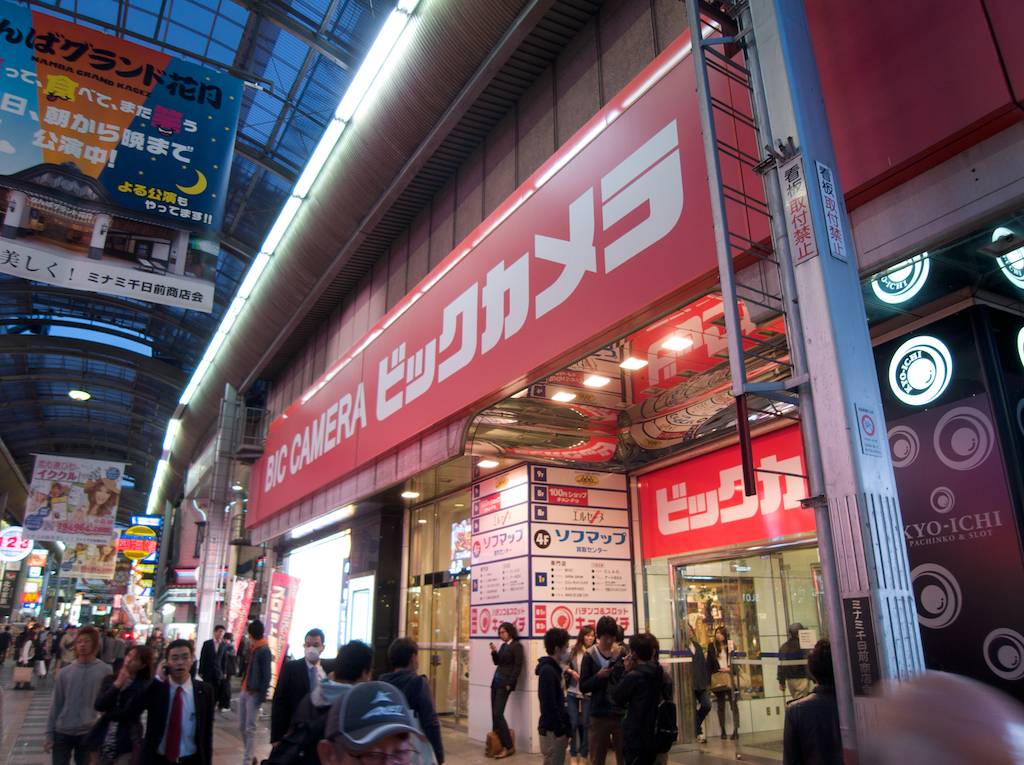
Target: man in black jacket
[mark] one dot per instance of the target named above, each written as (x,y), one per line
(792,672)
(641,689)
(298,677)
(403,656)
(600,671)
(811,735)
(179,714)
(209,667)
(553,725)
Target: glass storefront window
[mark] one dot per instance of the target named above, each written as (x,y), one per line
(756,597)
(437,600)
(319,567)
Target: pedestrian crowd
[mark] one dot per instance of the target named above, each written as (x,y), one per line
(599,694)
(117,703)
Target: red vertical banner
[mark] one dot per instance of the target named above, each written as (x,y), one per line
(280,605)
(238,609)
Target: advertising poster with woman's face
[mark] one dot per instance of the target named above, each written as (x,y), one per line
(73,500)
(87,561)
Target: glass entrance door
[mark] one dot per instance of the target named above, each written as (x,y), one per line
(754,601)
(449,651)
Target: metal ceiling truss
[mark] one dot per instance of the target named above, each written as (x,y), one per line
(25,345)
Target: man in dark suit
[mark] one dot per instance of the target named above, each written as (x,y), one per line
(297,678)
(209,666)
(179,713)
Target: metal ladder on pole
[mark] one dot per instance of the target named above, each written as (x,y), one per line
(744,193)
(725,32)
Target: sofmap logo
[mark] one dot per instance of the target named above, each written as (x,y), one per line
(903,282)
(920,370)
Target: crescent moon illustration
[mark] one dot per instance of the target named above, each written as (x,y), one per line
(196,188)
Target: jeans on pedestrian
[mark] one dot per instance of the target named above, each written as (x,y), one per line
(703,699)
(605,734)
(248,714)
(499,698)
(65,745)
(579,719)
(553,748)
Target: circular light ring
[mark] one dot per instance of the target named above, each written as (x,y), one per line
(1020,345)
(79,395)
(904,445)
(1012,263)
(1004,653)
(964,438)
(904,281)
(942,500)
(920,370)
(938,595)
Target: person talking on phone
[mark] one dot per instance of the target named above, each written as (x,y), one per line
(179,713)
(600,672)
(508,666)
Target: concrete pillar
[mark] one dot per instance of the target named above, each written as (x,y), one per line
(214,554)
(859,520)
(17,214)
(550,548)
(98,240)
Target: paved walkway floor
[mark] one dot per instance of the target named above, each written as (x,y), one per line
(24,727)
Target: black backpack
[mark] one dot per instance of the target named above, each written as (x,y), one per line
(666,730)
(298,747)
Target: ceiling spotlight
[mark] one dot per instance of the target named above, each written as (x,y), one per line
(676,343)
(79,395)
(486,464)
(237,487)
(410,494)
(596,381)
(460,504)
(421,521)
(633,364)
(563,396)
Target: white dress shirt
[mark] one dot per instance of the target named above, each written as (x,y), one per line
(320,674)
(188,719)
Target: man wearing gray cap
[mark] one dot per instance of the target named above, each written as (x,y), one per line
(372,725)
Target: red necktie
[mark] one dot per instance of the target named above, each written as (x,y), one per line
(173,745)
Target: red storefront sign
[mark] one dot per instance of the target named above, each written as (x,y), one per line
(610,229)
(699,504)
(238,609)
(280,605)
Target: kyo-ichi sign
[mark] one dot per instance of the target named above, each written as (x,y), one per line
(146,132)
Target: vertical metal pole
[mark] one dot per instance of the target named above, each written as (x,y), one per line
(808,420)
(737,369)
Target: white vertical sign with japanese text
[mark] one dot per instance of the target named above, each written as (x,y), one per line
(798,212)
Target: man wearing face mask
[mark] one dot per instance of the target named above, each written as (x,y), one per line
(298,677)
(553,725)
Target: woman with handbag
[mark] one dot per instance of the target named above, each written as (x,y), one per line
(24,654)
(116,739)
(508,666)
(723,680)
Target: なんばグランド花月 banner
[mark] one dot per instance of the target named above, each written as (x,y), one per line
(147,132)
